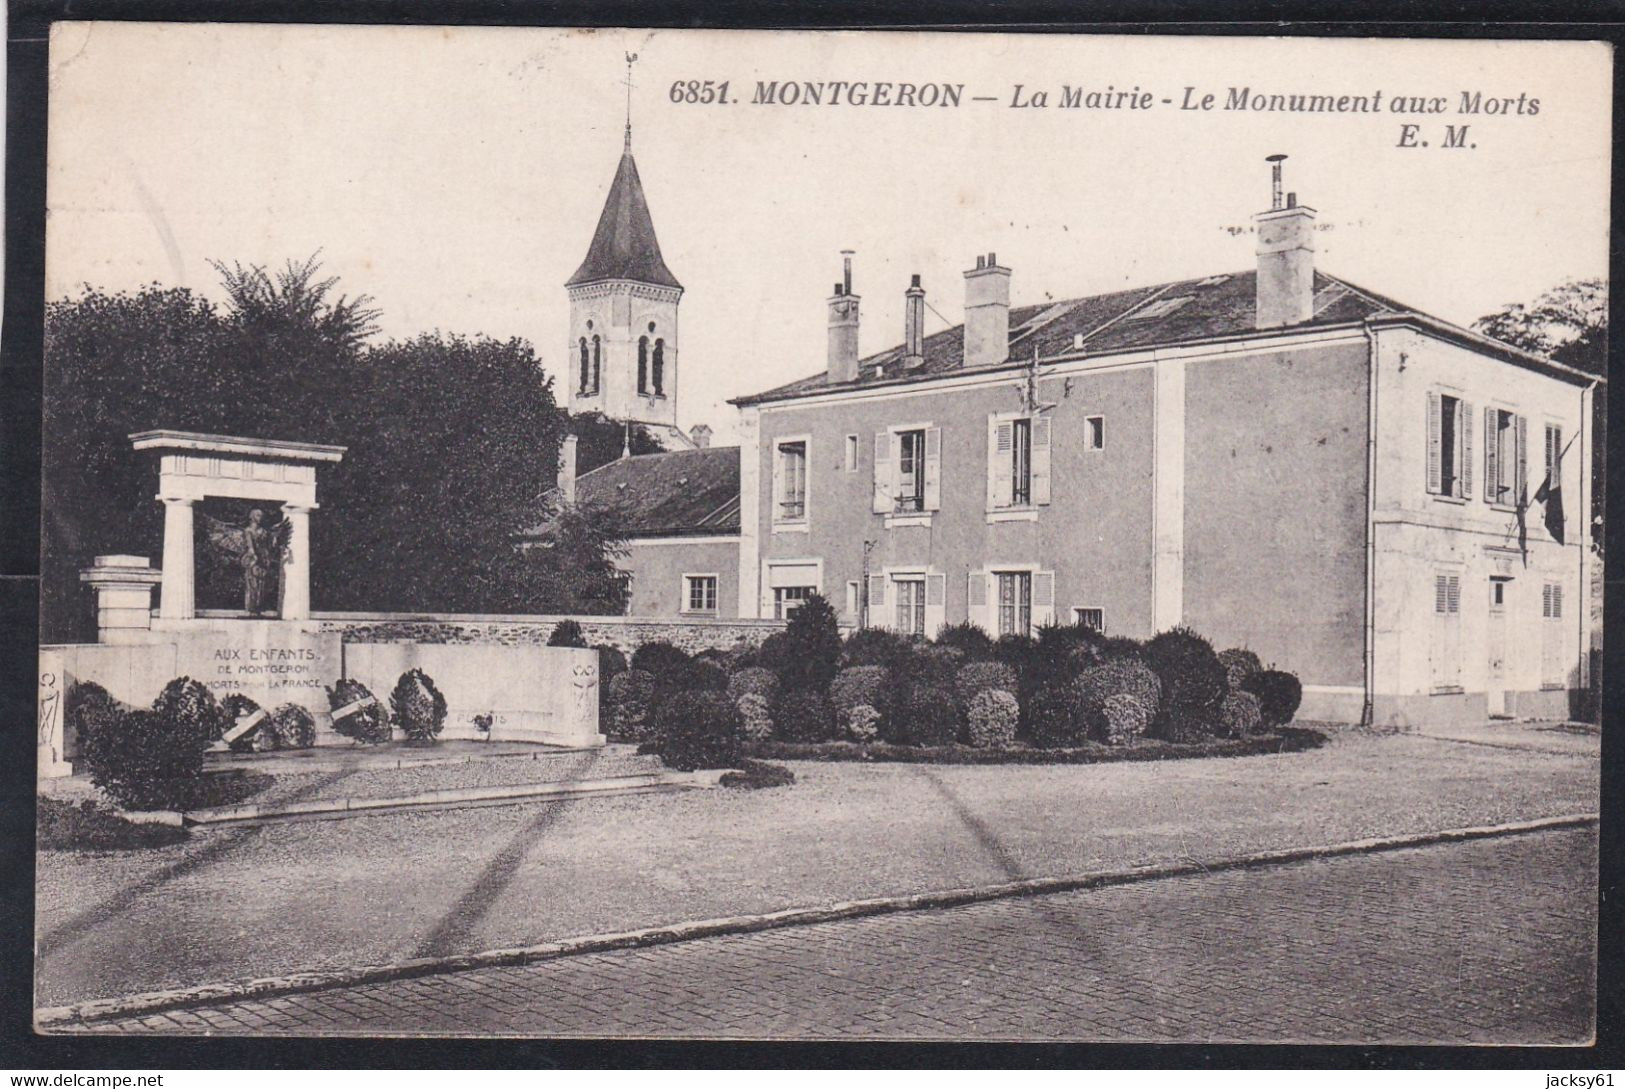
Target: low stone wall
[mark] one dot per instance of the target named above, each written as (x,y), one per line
(625,633)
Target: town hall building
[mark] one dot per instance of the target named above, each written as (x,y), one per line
(1359,492)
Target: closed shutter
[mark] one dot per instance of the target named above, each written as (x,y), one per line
(1520,482)
(933,468)
(1043,598)
(883,502)
(1041,446)
(1000,444)
(852,599)
(1446,648)
(1464,436)
(976,596)
(936,610)
(1435,456)
(1492,457)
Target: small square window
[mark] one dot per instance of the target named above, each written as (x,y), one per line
(1095,433)
(700,593)
(1092,619)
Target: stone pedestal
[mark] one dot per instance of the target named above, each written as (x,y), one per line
(123,586)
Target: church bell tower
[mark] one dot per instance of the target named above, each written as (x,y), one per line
(623,313)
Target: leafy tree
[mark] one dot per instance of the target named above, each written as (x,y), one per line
(568,565)
(600,440)
(812,645)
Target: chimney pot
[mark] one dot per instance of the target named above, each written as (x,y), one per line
(1292,200)
(915,282)
(914,324)
(981,262)
(992,259)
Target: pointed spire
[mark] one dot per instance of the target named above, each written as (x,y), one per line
(631,59)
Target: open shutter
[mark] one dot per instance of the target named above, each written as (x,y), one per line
(1520,482)
(1492,457)
(1041,460)
(933,468)
(778,483)
(1434,448)
(1464,436)
(976,595)
(936,611)
(878,617)
(884,502)
(1000,444)
(1043,598)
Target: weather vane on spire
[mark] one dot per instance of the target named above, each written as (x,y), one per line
(631,59)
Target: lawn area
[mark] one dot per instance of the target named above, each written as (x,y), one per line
(245,902)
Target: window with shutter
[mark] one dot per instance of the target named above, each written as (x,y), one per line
(1435,444)
(908,591)
(1040,460)
(1492,454)
(1000,442)
(1520,482)
(790,482)
(1464,412)
(883,472)
(1553,638)
(932,497)
(936,605)
(1043,598)
(1445,648)
(910,491)
(976,609)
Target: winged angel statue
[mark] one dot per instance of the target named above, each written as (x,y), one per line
(258,548)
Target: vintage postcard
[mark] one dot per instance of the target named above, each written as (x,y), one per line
(810,535)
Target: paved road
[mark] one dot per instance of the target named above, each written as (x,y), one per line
(1488,941)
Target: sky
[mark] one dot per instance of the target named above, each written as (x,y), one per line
(456,174)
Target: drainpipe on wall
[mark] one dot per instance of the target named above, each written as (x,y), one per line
(1367,710)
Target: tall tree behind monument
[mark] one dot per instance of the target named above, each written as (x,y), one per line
(453,441)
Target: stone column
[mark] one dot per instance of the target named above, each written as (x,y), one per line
(296,565)
(176,587)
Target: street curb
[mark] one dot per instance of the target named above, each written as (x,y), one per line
(47,1019)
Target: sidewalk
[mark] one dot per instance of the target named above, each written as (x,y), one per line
(271,900)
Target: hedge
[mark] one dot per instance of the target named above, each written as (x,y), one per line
(1285,739)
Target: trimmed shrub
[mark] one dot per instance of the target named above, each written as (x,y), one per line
(875,647)
(757,775)
(367,724)
(935,667)
(698,729)
(803,714)
(812,645)
(87,708)
(754,681)
(1239,714)
(295,727)
(1062,652)
(263,738)
(857,685)
(417,708)
(926,715)
(192,706)
(1055,717)
(1120,677)
(661,659)
(631,697)
(980,677)
(1118,647)
(567,633)
(148,759)
(611,664)
(990,718)
(705,675)
(755,716)
(1193,682)
(1123,718)
(863,723)
(1239,664)
(1279,695)
(772,654)
(968,639)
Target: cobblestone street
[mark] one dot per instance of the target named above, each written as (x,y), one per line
(1486,941)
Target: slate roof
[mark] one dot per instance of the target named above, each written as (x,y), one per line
(1171,313)
(672,494)
(624,246)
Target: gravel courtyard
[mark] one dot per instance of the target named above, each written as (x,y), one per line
(255,901)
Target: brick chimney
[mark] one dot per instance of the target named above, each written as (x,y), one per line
(1286,257)
(700,436)
(567,468)
(843,328)
(987,312)
(914,324)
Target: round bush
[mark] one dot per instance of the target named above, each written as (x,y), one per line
(930,666)
(631,696)
(705,675)
(990,718)
(927,715)
(1121,676)
(969,640)
(863,723)
(295,726)
(981,677)
(193,707)
(658,659)
(1239,664)
(1062,652)
(417,708)
(1279,695)
(87,708)
(1239,714)
(755,716)
(611,664)
(1123,718)
(367,724)
(698,729)
(874,647)
(1055,717)
(1193,681)
(147,760)
(803,714)
(567,633)
(1116,647)
(754,681)
(858,685)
